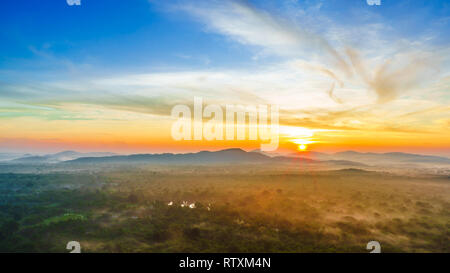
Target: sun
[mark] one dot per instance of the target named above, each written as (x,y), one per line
(302,147)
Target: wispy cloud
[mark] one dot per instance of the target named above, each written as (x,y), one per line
(387,68)
(250,26)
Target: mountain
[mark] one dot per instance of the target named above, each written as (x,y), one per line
(235,155)
(58,157)
(312,155)
(223,156)
(11,156)
(390,157)
(377,158)
(271,154)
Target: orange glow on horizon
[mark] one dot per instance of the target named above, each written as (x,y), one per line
(153,136)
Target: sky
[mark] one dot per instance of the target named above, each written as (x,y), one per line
(104,75)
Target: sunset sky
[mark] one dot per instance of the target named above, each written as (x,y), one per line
(104,76)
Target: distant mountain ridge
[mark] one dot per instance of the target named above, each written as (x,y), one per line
(377,158)
(228,155)
(236,155)
(11,156)
(59,157)
(231,156)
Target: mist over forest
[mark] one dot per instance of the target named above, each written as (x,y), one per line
(225,201)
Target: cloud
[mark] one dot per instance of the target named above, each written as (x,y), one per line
(318,81)
(300,97)
(387,69)
(250,26)
(333,96)
(397,74)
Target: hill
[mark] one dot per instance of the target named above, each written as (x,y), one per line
(58,157)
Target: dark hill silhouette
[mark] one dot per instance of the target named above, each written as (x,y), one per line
(58,157)
(236,155)
(376,158)
(232,156)
(229,155)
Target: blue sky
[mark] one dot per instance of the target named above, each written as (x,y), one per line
(107,35)
(148,35)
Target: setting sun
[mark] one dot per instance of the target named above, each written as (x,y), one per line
(302,147)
